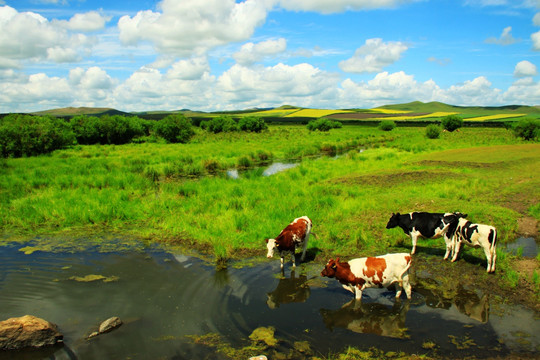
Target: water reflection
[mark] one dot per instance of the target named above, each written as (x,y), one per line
(289,290)
(372,318)
(270,170)
(467,302)
(526,246)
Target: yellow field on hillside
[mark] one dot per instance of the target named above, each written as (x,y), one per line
(390,111)
(494,117)
(315,113)
(430,115)
(273,112)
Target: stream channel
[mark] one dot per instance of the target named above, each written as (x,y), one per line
(165,298)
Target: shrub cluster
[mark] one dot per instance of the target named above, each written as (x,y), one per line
(452,122)
(175,129)
(433,131)
(107,129)
(528,129)
(27,135)
(323,124)
(387,125)
(225,123)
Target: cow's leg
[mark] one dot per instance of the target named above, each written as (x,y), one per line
(399,288)
(414,238)
(282,259)
(493,258)
(457,245)
(293,259)
(407,286)
(489,258)
(304,248)
(358,293)
(349,288)
(448,247)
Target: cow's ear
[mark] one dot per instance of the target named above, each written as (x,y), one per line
(397,214)
(266,240)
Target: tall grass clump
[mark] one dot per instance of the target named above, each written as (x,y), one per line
(433,131)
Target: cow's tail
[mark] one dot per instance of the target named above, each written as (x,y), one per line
(408,258)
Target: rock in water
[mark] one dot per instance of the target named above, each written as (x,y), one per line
(110,324)
(28,331)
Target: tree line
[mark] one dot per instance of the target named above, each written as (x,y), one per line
(29,135)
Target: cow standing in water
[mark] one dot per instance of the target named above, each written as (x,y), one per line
(381,271)
(476,235)
(296,234)
(426,225)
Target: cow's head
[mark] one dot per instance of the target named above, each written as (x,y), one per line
(270,245)
(331,268)
(393,222)
(452,218)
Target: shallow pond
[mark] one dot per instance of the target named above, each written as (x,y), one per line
(164,298)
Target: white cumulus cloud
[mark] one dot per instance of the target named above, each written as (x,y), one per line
(373,56)
(30,36)
(525,68)
(90,21)
(192,27)
(251,53)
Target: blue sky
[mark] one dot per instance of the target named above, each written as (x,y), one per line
(224,55)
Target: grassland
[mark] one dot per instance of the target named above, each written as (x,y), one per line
(179,194)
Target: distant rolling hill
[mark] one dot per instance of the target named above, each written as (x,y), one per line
(417,107)
(73,111)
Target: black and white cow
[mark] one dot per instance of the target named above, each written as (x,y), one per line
(426,225)
(476,235)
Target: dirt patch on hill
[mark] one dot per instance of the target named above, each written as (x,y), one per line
(394,178)
(363,116)
(528,227)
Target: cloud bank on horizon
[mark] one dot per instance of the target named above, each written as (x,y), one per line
(227,55)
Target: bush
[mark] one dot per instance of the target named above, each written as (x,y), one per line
(452,122)
(433,131)
(253,124)
(528,129)
(29,135)
(107,129)
(323,124)
(223,123)
(387,125)
(175,128)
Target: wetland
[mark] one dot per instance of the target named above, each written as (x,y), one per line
(178,253)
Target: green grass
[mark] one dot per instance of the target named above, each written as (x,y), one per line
(178,193)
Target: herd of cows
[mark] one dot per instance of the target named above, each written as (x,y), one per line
(381,271)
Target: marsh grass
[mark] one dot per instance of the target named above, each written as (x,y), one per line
(174,194)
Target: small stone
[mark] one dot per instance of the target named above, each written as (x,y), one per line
(110,324)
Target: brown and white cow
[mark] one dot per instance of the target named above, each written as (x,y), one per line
(296,234)
(381,271)
(476,235)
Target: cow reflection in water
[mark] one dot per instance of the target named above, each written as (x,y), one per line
(467,302)
(294,289)
(369,318)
